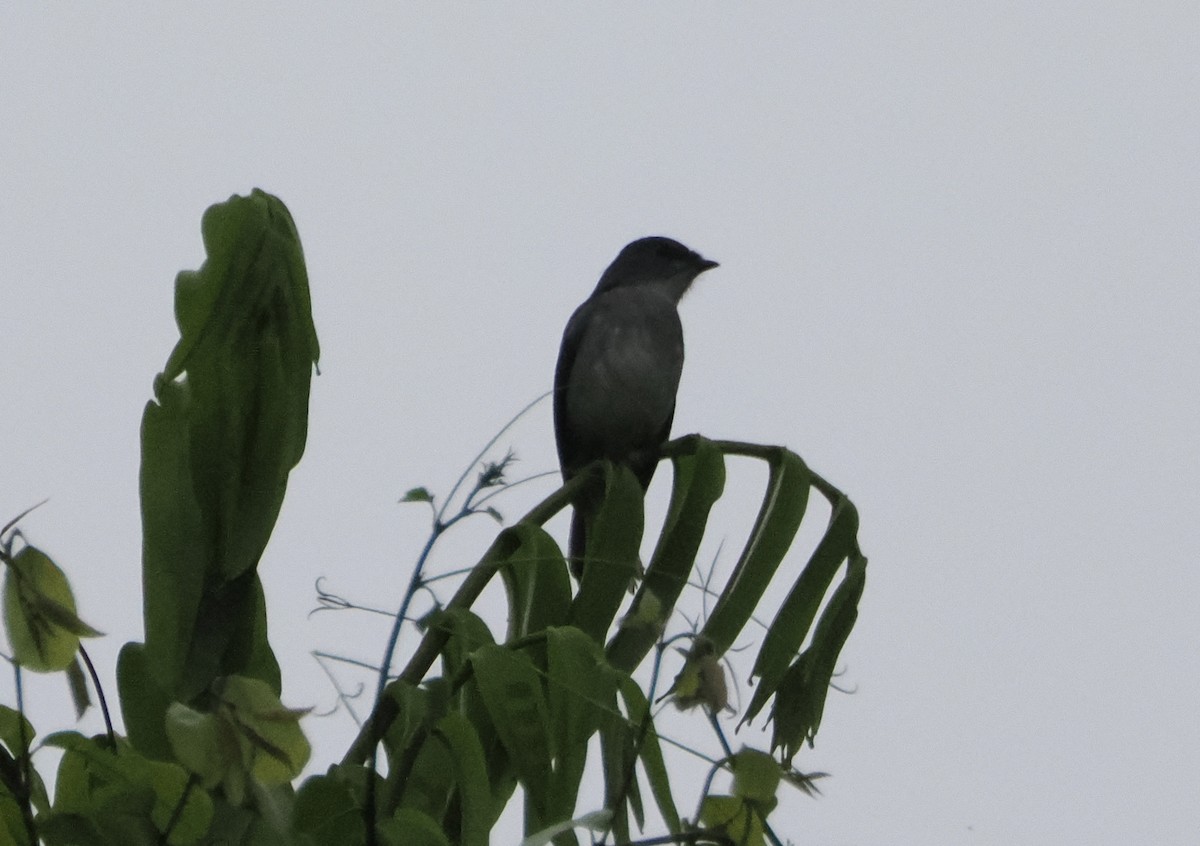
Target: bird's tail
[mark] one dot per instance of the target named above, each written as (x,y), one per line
(577,542)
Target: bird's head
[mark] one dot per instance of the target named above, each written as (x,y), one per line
(655,261)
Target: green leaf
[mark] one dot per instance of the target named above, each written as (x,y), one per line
(699,480)
(611,563)
(650,754)
(756,778)
(581,689)
(536,581)
(39,613)
(418,710)
(170,784)
(247,346)
(326,811)
(418,495)
(511,689)
(410,827)
(466,632)
(783,508)
(494,514)
(12,822)
(269,732)
(249,736)
(228,423)
(734,818)
(200,744)
(77,684)
(242,605)
(800,699)
(618,751)
(470,775)
(143,703)
(794,618)
(73,829)
(176,551)
(415,714)
(124,797)
(16,732)
(430,781)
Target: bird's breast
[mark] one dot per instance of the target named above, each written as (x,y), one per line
(621,389)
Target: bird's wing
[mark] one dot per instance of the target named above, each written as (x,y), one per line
(645,472)
(568,456)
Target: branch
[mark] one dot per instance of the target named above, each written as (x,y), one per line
(386,709)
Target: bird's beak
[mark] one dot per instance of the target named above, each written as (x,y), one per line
(707,264)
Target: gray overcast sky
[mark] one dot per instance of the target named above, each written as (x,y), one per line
(959,249)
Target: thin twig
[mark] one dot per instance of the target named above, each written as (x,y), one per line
(486,447)
(435,638)
(108,726)
(177,811)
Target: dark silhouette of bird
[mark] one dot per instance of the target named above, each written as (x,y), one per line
(619,367)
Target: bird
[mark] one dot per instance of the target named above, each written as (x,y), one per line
(619,367)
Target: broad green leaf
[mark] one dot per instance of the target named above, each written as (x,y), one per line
(176,552)
(228,423)
(200,744)
(611,561)
(229,638)
(127,797)
(273,805)
(511,689)
(536,581)
(794,618)
(410,827)
(236,825)
(618,751)
(240,607)
(143,703)
(73,829)
(429,784)
(16,732)
(39,613)
(470,774)
(326,811)
(170,784)
(417,712)
(77,685)
(650,754)
(733,817)
(417,495)
(247,737)
(800,699)
(12,824)
(269,732)
(580,689)
(699,469)
(72,786)
(247,346)
(466,632)
(783,508)
(756,778)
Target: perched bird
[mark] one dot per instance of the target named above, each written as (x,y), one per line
(619,366)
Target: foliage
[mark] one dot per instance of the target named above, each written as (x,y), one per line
(211,754)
